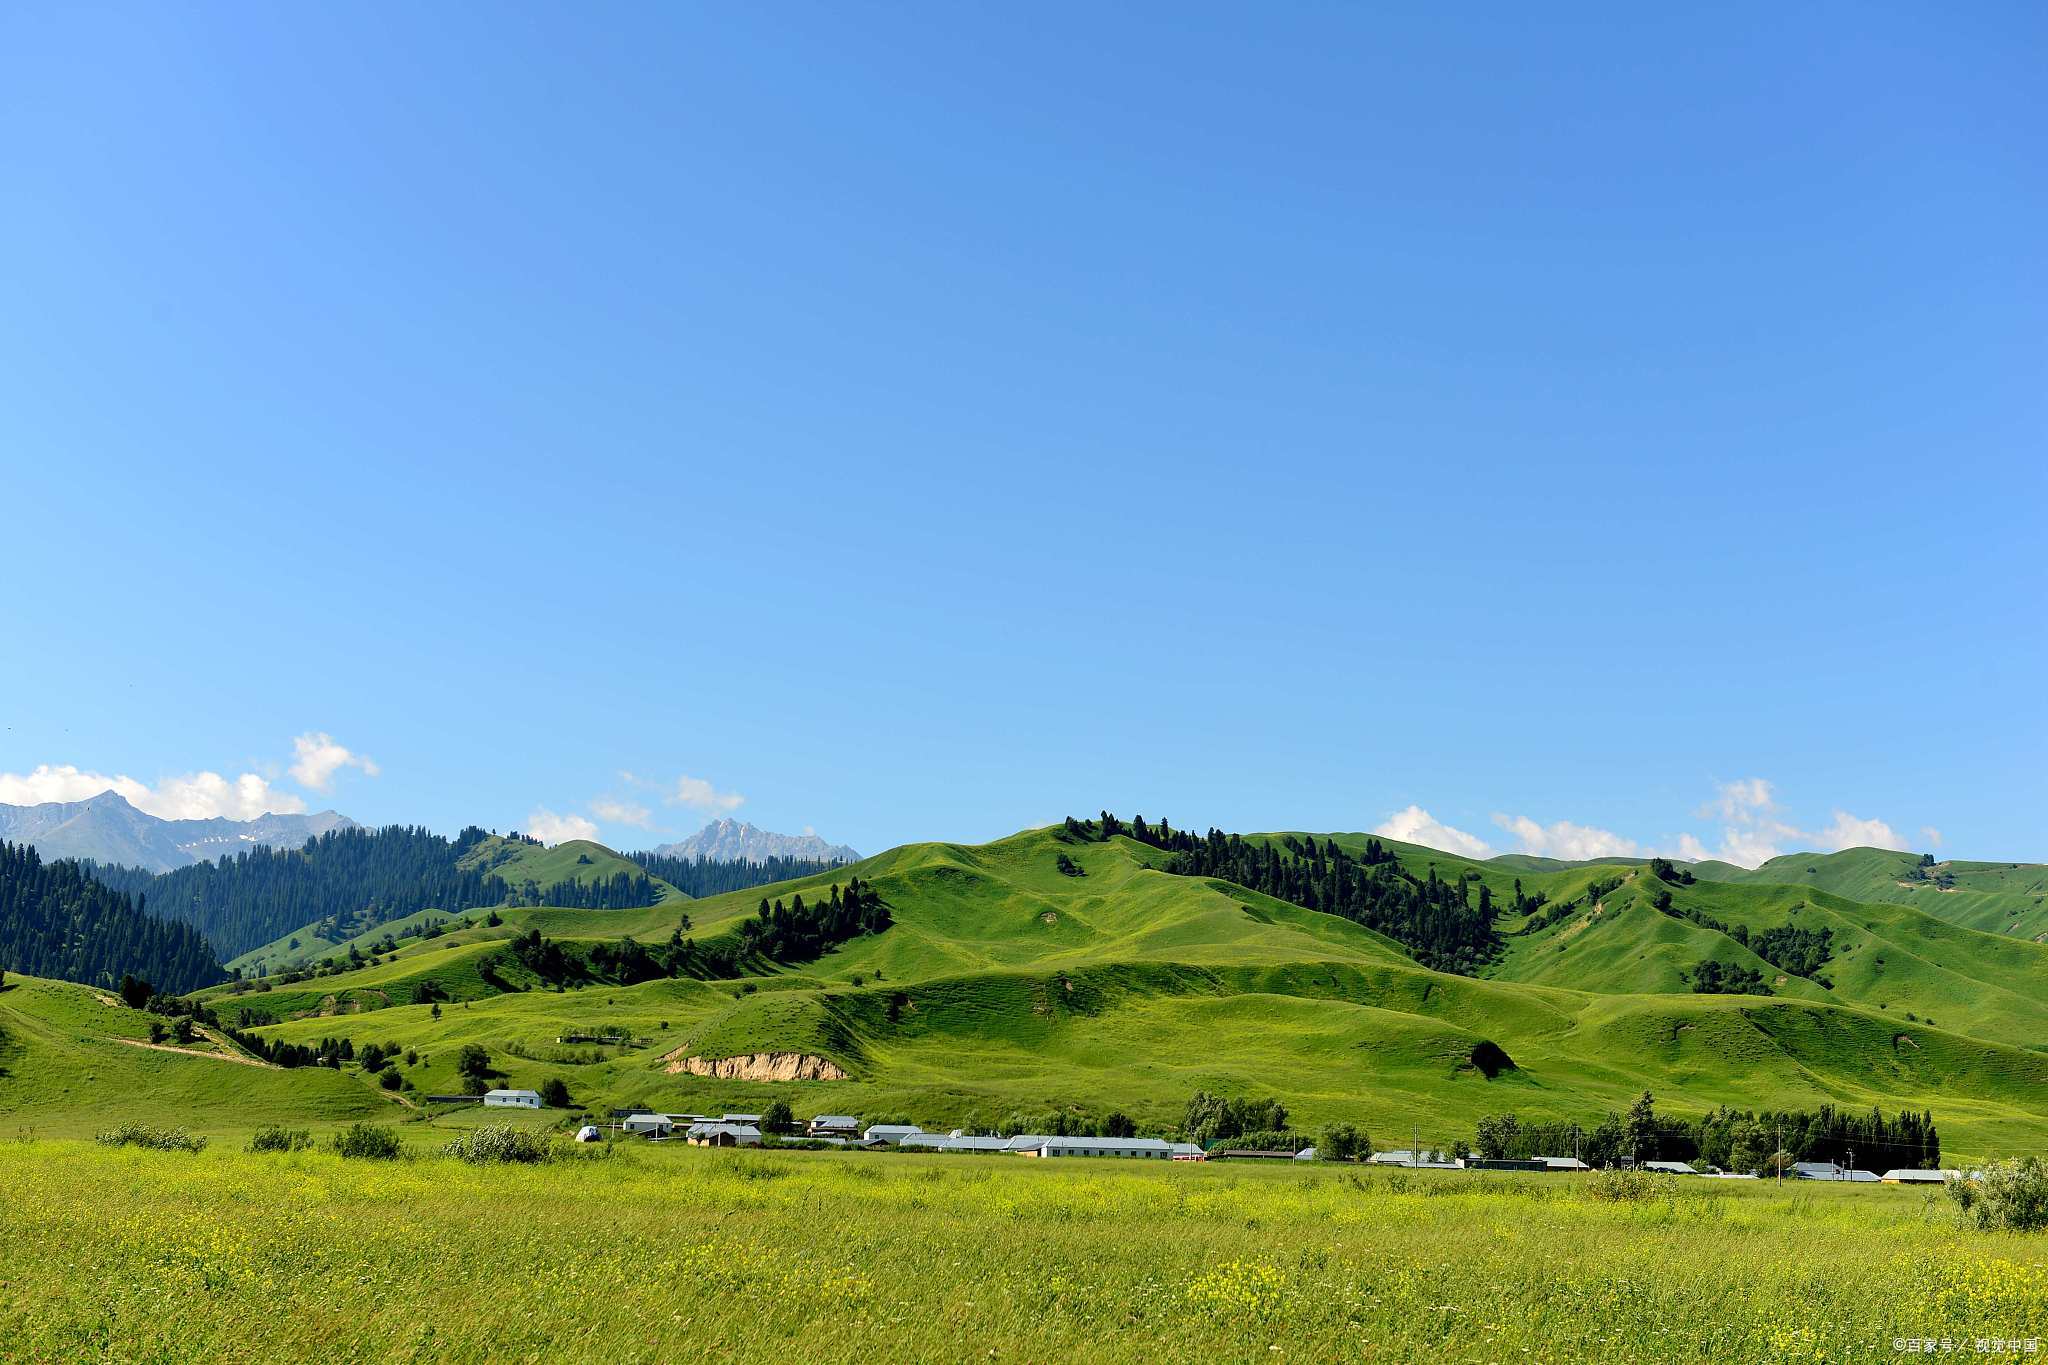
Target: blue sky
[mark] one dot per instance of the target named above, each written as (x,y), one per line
(1576,431)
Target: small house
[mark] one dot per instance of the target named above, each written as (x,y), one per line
(512,1099)
(723,1135)
(1025,1142)
(1185,1151)
(647,1125)
(1504,1163)
(890,1134)
(833,1125)
(742,1119)
(1669,1168)
(1561,1163)
(1907,1175)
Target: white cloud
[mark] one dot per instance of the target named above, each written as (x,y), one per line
(195,796)
(1742,801)
(698,794)
(1565,839)
(551,828)
(1417,826)
(1931,835)
(316,759)
(1848,831)
(1748,847)
(1691,849)
(622,812)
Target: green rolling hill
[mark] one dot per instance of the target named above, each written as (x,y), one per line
(1009,984)
(1998,898)
(73,1061)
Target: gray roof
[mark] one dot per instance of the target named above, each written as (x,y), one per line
(1564,1163)
(1913,1175)
(1669,1167)
(886,1131)
(835,1121)
(522,1094)
(714,1129)
(740,1118)
(1024,1142)
(1103,1144)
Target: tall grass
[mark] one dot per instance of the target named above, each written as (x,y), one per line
(674,1253)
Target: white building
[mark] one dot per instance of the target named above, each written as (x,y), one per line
(512,1099)
(1564,1163)
(1907,1175)
(891,1133)
(1146,1148)
(1424,1160)
(647,1125)
(1669,1168)
(834,1125)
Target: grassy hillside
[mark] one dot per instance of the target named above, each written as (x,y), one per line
(521,866)
(578,860)
(72,1063)
(1998,898)
(1006,985)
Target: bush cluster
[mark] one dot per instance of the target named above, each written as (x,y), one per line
(367,1142)
(500,1144)
(155,1139)
(273,1138)
(2009,1196)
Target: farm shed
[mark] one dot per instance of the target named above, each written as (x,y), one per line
(724,1135)
(1669,1168)
(833,1125)
(1906,1175)
(512,1099)
(891,1133)
(1147,1148)
(647,1125)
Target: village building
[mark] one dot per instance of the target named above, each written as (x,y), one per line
(833,1125)
(512,1099)
(1908,1175)
(647,1125)
(1143,1148)
(723,1135)
(890,1133)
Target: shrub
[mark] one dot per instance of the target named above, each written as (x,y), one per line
(554,1093)
(1342,1142)
(1622,1187)
(500,1144)
(367,1142)
(2010,1196)
(1267,1140)
(155,1139)
(273,1138)
(390,1079)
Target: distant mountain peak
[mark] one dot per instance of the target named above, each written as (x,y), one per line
(732,841)
(107,828)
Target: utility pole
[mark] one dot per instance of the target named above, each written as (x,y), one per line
(1778,1156)
(1850,1174)
(1415,1146)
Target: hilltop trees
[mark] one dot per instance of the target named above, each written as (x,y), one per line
(58,922)
(699,877)
(1447,925)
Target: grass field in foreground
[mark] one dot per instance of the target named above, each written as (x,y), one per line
(675,1253)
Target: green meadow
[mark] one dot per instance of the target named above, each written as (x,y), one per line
(673,1253)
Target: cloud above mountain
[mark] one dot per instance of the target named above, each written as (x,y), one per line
(551,828)
(193,796)
(202,795)
(1415,825)
(700,795)
(317,758)
(1563,839)
(1754,828)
